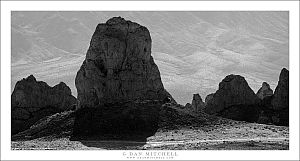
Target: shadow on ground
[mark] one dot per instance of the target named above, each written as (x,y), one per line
(125,125)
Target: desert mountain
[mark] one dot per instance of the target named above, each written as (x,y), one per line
(193,50)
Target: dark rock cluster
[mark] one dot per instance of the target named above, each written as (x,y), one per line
(32,100)
(235,100)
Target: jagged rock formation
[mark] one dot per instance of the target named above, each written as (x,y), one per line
(208,98)
(188,106)
(264,91)
(32,100)
(233,90)
(197,103)
(279,102)
(119,66)
(281,95)
(119,86)
(272,109)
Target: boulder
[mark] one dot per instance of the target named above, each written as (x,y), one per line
(119,87)
(264,91)
(197,103)
(280,99)
(233,90)
(118,66)
(32,100)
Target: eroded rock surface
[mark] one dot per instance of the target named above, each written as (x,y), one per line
(233,90)
(281,95)
(208,98)
(119,87)
(32,100)
(197,103)
(264,91)
(119,66)
(188,106)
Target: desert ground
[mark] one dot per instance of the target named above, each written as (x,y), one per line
(218,134)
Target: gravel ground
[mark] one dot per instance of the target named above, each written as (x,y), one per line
(232,135)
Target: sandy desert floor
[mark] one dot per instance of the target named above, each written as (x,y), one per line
(234,135)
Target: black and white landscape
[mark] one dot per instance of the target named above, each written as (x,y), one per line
(150,80)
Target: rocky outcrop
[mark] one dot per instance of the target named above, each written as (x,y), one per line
(119,86)
(32,100)
(197,103)
(118,66)
(56,126)
(208,98)
(271,109)
(174,117)
(188,106)
(280,100)
(233,90)
(264,91)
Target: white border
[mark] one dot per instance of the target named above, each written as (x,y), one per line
(292,7)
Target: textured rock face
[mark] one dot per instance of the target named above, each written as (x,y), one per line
(281,95)
(119,86)
(188,106)
(119,66)
(31,100)
(197,103)
(208,98)
(233,90)
(270,109)
(264,91)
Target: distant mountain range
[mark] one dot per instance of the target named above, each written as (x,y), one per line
(193,50)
